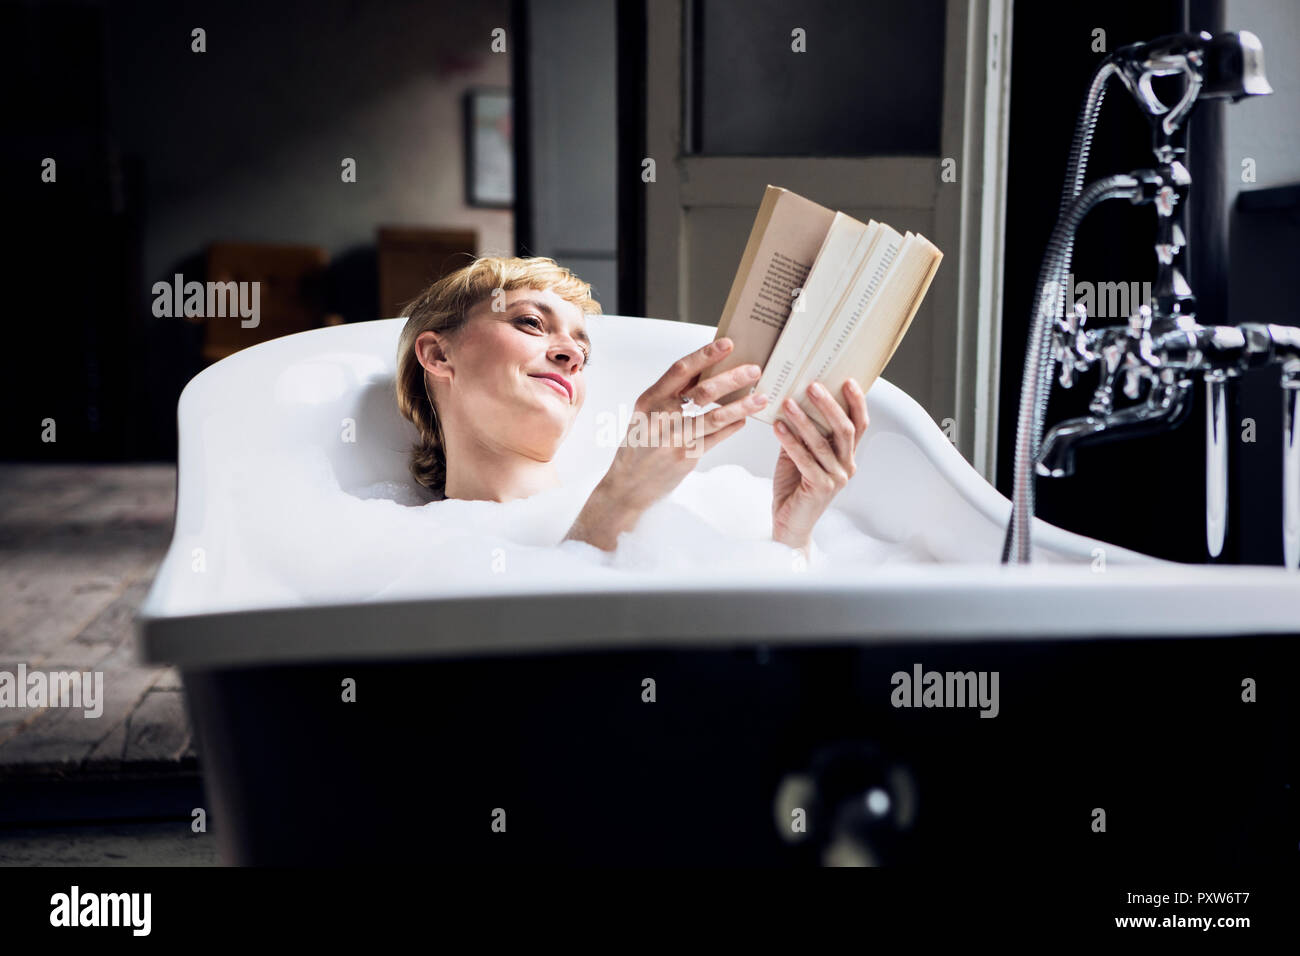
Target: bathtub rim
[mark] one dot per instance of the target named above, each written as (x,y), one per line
(942,603)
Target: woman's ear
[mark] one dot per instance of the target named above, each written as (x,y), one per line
(431,351)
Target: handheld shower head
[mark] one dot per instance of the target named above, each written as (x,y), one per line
(1234,67)
(1224,66)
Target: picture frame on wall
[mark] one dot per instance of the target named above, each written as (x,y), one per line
(489,148)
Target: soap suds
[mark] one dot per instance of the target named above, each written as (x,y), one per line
(303,534)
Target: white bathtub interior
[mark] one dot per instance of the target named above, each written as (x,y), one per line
(266,432)
(294,493)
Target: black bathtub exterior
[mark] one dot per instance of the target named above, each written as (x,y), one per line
(1155,732)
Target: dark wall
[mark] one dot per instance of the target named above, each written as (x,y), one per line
(71,262)
(162,150)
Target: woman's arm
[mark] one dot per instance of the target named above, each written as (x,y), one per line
(603,518)
(653,460)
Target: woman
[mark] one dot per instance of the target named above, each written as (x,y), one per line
(491,369)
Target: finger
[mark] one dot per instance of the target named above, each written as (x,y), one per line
(856,399)
(857,402)
(842,427)
(722,434)
(804,427)
(730,412)
(724,383)
(684,373)
(803,459)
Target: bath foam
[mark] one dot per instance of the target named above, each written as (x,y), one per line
(297,532)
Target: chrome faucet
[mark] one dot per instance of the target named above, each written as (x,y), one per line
(1162,346)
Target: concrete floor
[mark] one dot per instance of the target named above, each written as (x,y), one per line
(79,546)
(168,843)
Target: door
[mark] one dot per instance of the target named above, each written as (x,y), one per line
(742,93)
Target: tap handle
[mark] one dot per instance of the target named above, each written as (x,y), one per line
(1078,318)
(1134,371)
(1139,360)
(1140,321)
(1103,400)
(1070,348)
(1067,368)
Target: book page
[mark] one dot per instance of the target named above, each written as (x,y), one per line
(873,344)
(818,352)
(825,288)
(936,257)
(786,237)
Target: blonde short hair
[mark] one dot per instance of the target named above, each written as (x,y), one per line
(442,308)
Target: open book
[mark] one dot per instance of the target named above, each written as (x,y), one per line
(820,296)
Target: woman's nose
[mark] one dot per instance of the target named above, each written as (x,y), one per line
(568,355)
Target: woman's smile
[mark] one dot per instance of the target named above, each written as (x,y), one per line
(555,386)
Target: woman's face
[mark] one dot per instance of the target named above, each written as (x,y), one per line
(512,378)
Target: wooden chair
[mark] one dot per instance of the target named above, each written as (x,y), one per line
(411,258)
(291,298)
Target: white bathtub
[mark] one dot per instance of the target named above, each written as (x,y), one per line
(263,677)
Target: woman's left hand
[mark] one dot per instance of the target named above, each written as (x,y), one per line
(811,469)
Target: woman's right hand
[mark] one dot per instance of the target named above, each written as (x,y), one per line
(663,446)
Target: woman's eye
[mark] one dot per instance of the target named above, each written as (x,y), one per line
(536,323)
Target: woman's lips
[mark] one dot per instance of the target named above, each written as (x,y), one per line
(553,384)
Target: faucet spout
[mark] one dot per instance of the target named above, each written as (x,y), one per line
(1164,409)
